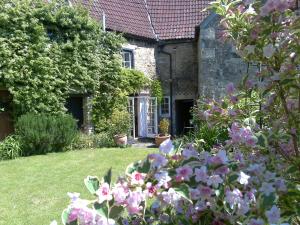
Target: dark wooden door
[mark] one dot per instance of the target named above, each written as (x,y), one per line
(6,121)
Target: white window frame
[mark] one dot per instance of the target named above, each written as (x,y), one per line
(131,55)
(169,107)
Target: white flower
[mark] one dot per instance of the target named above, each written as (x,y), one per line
(250,10)
(243,178)
(269,51)
(166,147)
(73,196)
(273,215)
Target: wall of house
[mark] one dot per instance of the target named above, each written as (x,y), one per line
(184,72)
(144,56)
(219,63)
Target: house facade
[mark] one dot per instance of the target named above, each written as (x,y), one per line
(162,42)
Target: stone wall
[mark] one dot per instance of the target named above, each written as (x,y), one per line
(219,63)
(144,56)
(184,71)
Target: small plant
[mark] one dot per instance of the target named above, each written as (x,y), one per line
(120,122)
(164,127)
(10,148)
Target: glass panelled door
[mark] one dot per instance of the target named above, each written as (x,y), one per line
(145,110)
(151,117)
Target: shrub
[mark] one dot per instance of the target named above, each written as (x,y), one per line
(10,148)
(84,141)
(44,133)
(103,140)
(164,126)
(120,122)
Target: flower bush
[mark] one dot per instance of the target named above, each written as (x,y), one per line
(253,177)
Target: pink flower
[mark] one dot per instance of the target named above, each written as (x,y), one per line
(120,193)
(205,192)
(230,88)
(184,173)
(166,147)
(214,181)
(190,153)
(267,188)
(133,202)
(201,174)
(195,194)
(157,160)
(220,158)
(104,193)
(162,177)
(233,197)
(150,190)
(273,215)
(137,178)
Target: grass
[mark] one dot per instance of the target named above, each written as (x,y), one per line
(33,189)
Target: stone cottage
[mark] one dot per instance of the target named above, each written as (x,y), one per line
(178,43)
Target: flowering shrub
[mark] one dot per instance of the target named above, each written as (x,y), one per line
(253,178)
(185,187)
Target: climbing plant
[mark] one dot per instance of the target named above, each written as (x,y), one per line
(50,50)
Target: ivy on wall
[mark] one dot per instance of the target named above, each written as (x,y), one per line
(51,50)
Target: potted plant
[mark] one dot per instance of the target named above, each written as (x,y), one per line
(120,126)
(164,132)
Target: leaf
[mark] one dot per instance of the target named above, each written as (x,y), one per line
(92,184)
(102,209)
(233,178)
(107,176)
(262,140)
(116,212)
(145,168)
(268,201)
(183,191)
(65,216)
(132,167)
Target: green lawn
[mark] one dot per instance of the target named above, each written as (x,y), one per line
(33,190)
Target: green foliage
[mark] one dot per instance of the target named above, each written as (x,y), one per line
(84,141)
(10,148)
(164,125)
(49,50)
(133,81)
(156,90)
(120,122)
(44,133)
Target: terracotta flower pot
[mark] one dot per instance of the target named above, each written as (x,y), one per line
(160,139)
(120,139)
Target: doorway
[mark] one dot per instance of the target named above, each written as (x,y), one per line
(74,106)
(143,110)
(184,116)
(6,119)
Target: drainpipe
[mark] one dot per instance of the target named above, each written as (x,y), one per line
(161,50)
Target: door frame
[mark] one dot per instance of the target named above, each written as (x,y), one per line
(132,108)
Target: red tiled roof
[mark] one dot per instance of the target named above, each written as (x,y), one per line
(176,19)
(153,19)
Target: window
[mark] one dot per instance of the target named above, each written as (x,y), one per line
(165,107)
(127,59)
